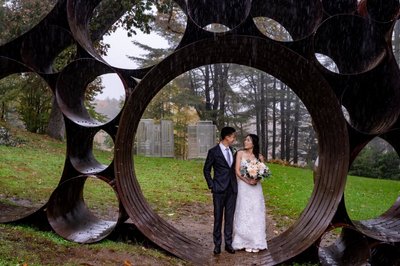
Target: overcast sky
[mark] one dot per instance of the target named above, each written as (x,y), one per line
(121,47)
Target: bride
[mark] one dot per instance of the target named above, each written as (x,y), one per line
(249,219)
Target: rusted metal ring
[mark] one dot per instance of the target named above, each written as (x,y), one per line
(317,97)
(70,217)
(376,111)
(339,7)
(351,248)
(339,38)
(71,88)
(386,227)
(12,213)
(226,12)
(383,11)
(300,18)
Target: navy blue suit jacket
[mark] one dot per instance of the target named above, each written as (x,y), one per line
(224,175)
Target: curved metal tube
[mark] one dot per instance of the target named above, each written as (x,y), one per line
(367,85)
(266,56)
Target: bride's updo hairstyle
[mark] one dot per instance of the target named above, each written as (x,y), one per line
(256,144)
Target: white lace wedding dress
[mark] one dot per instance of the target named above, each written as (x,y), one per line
(249,230)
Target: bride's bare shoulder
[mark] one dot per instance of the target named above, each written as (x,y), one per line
(239,154)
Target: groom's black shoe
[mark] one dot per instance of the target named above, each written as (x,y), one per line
(217,250)
(229,249)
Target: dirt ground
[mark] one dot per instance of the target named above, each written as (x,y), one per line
(196,221)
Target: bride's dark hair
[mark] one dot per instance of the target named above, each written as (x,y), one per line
(256,143)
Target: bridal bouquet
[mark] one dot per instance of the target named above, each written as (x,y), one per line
(255,169)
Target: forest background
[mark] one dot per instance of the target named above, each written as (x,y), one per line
(226,94)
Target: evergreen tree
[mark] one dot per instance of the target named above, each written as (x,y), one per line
(34,103)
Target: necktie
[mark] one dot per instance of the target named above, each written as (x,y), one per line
(228,156)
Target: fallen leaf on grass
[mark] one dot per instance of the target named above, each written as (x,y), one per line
(127,263)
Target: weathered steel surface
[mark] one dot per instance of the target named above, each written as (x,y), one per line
(357,36)
(351,248)
(69,216)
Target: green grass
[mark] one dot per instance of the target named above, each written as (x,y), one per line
(32,171)
(22,245)
(168,183)
(287,192)
(366,198)
(289,189)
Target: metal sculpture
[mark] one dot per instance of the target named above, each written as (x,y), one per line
(357,36)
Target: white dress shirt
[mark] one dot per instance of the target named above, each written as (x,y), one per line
(226,153)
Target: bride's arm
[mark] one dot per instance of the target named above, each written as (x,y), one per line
(237,168)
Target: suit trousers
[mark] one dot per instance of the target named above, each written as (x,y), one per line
(224,205)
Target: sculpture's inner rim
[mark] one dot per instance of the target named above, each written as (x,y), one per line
(218,12)
(72,81)
(124,50)
(239,144)
(75,221)
(24,204)
(348,238)
(346,29)
(387,223)
(302,18)
(300,21)
(153,82)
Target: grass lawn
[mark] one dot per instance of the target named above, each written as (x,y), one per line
(23,245)
(366,198)
(288,190)
(32,170)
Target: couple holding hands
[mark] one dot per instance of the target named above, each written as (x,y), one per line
(237,193)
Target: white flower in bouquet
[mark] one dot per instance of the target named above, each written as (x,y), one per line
(256,170)
(252,171)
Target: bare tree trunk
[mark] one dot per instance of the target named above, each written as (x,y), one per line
(203,111)
(283,128)
(207,87)
(296,131)
(264,118)
(217,74)
(3,111)
(311,146)
(214,79)
(223,87)
(56,126)
(274,120)
(257,103)
(288,128)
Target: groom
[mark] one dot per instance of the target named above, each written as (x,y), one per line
(223,186)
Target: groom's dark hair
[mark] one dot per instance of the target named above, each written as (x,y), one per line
(226,131)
